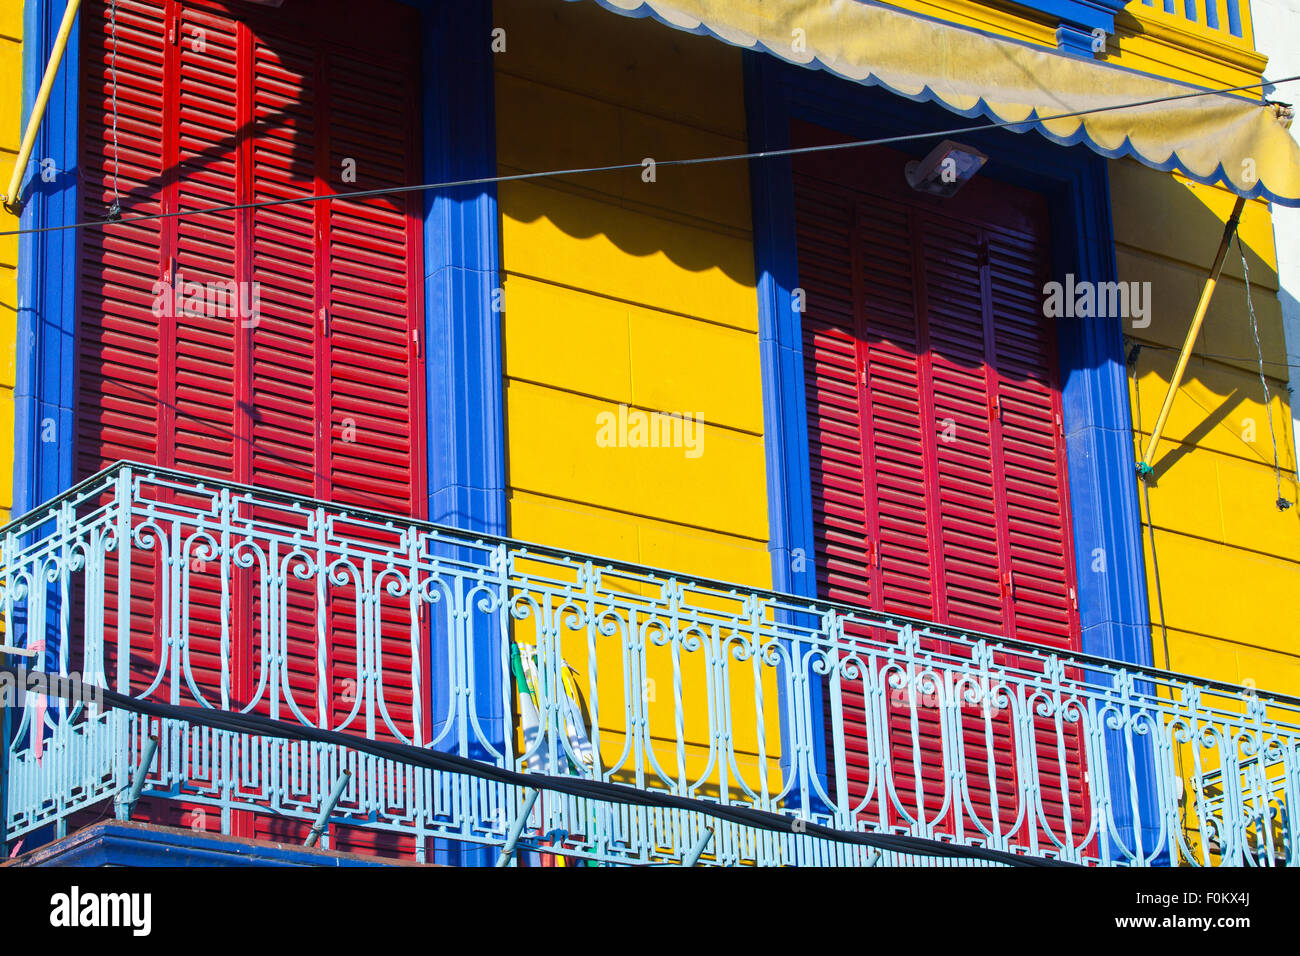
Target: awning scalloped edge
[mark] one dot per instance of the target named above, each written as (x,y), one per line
(1220,138)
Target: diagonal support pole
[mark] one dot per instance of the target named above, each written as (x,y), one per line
(1203,306)
(517,828)
(323,818)
(693,858)
(127,806)
(42,101)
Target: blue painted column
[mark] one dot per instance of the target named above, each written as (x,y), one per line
(1110,570)
(465,404)
(45,340)
(791,541)
(45,392)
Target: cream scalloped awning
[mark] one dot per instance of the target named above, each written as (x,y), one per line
(1220,138)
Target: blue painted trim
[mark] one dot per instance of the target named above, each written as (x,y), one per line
(44,394)
(464,408)
(466,424)
(1074,41)
(1082,13)
(465,412)
(45,335)
(1112,603)
(791,534)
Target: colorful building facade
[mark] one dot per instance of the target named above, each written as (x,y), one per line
(741,385)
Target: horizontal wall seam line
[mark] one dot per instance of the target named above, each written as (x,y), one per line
(663,213)
(1197,267)
(737,136)
(738,536)
(1221,543)
(622,301)
(715,423)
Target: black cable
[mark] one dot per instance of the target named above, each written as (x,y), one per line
(623,167)
(597,790)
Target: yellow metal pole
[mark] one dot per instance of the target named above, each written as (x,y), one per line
(1203,306)
(42,101)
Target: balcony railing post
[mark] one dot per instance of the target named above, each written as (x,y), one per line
(123,503)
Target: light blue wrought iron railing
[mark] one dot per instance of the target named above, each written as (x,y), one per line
(192,591)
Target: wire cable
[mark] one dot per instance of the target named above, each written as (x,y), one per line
(623,167)
(1281,501)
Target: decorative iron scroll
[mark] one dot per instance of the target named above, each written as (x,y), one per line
(195,591)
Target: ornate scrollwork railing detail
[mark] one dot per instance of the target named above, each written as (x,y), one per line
(210,594)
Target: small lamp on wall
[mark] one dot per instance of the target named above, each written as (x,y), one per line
(945,170)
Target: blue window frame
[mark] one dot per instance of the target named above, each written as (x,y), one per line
(1107,532)
(466,445)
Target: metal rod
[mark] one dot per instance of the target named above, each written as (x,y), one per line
(42,101)
(1202,307)
(693,858)
(137,782)
(516,828)
(322,818)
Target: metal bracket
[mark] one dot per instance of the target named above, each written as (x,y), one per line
(11,197)
(322,818)
(693,858)
(516,828)
(1144,468)
(127,805)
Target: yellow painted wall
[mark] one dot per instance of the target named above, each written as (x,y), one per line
(618,291)
(622,291)
(1145,38)
(11,94)
(1223,562)
(1228,559)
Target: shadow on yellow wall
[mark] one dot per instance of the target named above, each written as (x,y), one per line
(1226,558)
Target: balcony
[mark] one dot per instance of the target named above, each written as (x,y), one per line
(172,588)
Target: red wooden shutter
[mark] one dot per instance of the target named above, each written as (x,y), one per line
(121,355)
(938,464)
(319,391)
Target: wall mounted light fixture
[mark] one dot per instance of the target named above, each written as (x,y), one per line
(945,170)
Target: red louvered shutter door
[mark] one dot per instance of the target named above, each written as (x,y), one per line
(306,377)
(938,464)
(374,306)
(120,353)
